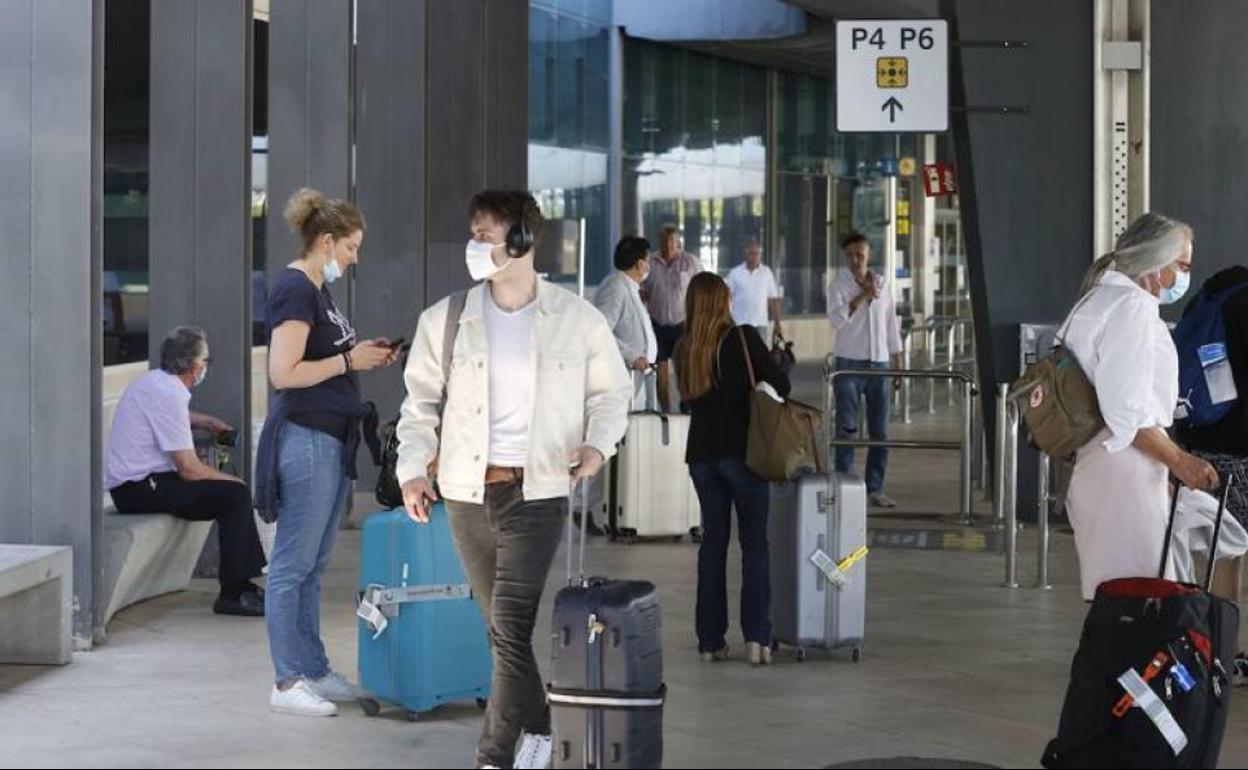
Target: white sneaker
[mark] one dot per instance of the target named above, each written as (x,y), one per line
(758,654)
(535,751)
(302,701)
(881,500)
(335,688)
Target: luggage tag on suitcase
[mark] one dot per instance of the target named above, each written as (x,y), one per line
(833,571)
(1143,696)
(371,614)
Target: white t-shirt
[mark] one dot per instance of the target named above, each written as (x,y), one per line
(510,340)
(751,289)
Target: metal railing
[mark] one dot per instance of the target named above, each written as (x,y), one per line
(958,352)
(965,445)
(1005,499)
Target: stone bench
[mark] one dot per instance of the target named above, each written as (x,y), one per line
(147,555)
(36,604)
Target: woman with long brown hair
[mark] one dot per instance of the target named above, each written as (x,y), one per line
(715,382)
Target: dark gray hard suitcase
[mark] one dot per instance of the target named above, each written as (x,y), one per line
(818,513)
(606,692)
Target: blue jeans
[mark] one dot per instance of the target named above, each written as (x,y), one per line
(848,395)
(721,484)
(314,490)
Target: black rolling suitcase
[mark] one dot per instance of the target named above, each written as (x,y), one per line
(1149,685)
(606,694)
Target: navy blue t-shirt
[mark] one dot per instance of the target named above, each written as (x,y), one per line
(295,298)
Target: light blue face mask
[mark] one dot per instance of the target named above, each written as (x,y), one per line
(1182,281)
(333,271)
(203,373)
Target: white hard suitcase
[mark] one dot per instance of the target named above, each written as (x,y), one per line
(652,494)
(811,606)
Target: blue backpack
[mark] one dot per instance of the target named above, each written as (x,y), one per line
(1200,339)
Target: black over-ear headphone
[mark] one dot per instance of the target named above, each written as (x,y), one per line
(519,240)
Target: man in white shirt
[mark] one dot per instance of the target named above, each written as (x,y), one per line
(536,399)
(755,295)
(868,333)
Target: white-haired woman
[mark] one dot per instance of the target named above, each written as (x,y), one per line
(1118,494)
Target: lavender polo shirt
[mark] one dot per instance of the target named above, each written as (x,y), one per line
(152,421)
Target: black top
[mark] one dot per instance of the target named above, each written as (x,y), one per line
(295,298)
(1230,435)
(721,417)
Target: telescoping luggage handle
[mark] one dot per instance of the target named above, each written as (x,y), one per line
(571,526)
(1217,530)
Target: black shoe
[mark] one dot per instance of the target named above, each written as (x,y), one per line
(247,605)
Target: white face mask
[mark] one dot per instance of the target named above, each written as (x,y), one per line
(480,262)
(333,270)
(199,378)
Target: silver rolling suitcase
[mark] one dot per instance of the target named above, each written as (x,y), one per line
(818,565)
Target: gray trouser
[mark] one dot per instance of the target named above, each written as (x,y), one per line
(507,546)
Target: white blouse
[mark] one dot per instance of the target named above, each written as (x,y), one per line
(1124,347)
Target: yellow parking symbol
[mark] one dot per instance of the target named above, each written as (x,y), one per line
(892,72)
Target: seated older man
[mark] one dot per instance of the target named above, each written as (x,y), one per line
(152,467)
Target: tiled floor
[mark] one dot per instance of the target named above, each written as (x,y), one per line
(954,667)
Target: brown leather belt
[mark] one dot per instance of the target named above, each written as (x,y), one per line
(497,475)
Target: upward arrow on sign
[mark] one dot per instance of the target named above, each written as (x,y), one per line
(892,105)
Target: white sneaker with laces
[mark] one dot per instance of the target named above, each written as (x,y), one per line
(334,687)
(301,700)
(535,751)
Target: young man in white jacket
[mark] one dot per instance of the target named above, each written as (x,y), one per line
(536,398)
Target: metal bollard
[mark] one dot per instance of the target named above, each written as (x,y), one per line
(1042,524)
(907,357)
(1001,491)
(968,449)
(930,344)
(950,356)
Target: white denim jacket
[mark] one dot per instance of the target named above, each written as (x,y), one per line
(582,395)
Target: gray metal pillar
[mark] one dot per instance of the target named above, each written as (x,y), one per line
(390,156)
(200,193)
(309,111)
(441,105)
(50,138)
(615,160)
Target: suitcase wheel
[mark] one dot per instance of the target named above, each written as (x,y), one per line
(857,654)
(801,655)
(695,535)
(482,703)
(370,707)
(413,716)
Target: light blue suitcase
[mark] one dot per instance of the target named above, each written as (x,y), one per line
(422,638)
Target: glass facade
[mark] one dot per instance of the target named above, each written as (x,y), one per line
(698,135)
(127,99)
(569,139)
(127,49)
(694,151)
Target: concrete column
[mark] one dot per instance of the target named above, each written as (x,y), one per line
(200,193)
(50,139)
